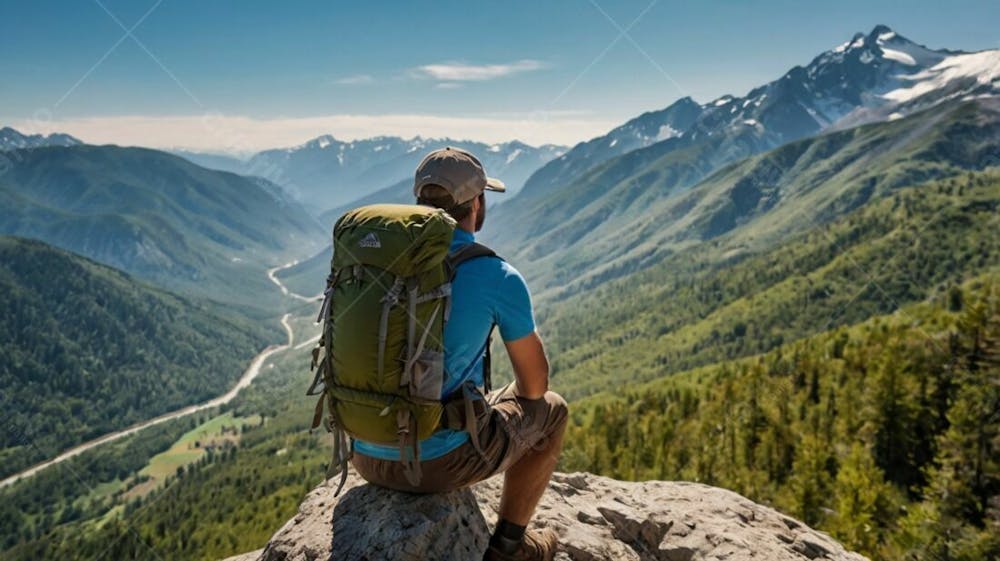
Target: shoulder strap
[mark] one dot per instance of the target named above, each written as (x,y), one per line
(467,253)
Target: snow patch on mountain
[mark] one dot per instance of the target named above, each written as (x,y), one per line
(666,131)
(966,71)
(898,56)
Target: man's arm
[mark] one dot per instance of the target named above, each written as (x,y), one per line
(531,366)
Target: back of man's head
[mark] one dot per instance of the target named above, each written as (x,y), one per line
(439,197)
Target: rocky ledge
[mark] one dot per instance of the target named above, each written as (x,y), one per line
(596,518)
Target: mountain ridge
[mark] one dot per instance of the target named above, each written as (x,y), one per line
(826,71)
(156,215)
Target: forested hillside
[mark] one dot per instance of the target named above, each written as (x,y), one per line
(705,305)
(94,350)
(887,434)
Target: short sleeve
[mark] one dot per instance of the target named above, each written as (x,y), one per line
(514,314)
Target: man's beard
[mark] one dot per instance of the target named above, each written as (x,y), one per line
(481,216)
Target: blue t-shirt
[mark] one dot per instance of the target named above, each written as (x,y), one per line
(485,291)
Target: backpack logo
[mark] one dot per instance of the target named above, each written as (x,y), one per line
(371,240)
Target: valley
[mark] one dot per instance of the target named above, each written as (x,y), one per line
(245,380)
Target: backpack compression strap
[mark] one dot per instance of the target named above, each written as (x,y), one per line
(467,253)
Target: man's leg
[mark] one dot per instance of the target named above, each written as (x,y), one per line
(525,482)
(533,430)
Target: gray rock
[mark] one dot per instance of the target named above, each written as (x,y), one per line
(251,556)
(596,518)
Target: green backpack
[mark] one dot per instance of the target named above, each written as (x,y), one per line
(380,360)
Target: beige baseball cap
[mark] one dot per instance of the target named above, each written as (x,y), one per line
(458,172)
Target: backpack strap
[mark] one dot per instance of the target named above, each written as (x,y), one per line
(488,363)
(465,253)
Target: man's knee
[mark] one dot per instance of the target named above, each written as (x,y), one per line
(558,412)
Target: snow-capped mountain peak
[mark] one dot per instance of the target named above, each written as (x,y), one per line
(882,44)
(11,139)
(863,79)
(902,50)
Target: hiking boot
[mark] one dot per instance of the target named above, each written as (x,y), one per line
(537,545)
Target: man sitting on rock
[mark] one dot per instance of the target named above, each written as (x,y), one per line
(521,429)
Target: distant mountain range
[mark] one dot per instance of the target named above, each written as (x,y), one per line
(157,216)
(326,173)
(11,139)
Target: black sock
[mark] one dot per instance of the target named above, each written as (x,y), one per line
(507,536)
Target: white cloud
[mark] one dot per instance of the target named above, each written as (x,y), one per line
(461,72)
(243,135)
(448,85)
(355,80)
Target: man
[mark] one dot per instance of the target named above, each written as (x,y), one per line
(521,433)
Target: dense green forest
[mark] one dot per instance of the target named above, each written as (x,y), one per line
(93,350)
(886,434)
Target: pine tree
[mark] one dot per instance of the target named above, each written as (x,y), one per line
(810,483)
(862,501)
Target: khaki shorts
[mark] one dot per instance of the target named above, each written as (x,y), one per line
(512,427)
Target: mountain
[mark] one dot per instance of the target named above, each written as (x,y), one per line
(646,129)
(325,172)
(606,226)
(958,76)
(11,139)
(596,518)
(157,216)
(86,350)
(881,72)
(803,102)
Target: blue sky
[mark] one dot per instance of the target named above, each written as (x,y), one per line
(239,76)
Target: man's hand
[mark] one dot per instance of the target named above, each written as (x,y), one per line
(531,366)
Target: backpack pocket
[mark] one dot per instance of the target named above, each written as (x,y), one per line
(428,375)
